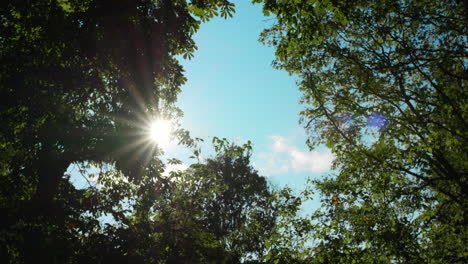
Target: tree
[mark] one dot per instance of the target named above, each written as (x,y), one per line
(193,216)
(384,84)
(79,81)
(243,208)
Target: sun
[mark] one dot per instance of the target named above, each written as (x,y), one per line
(160,131)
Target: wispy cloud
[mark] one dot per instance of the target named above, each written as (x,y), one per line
(284,156)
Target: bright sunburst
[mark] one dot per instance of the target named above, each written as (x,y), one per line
(160,131)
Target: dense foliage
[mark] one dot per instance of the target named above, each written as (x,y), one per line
(384,85)
(79,83)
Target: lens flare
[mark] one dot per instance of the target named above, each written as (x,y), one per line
(377,120)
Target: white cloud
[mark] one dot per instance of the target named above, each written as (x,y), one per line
(271,163)
(313,161)
(284,156)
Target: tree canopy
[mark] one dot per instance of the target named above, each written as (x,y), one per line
(384,86)
(79,83)
(80,79)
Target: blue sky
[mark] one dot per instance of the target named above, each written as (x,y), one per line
(233,92)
